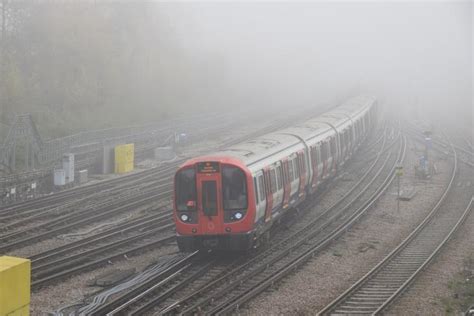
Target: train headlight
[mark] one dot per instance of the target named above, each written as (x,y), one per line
(184,217)
(238,215)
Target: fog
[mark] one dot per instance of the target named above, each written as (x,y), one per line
(114,63)
(285,54)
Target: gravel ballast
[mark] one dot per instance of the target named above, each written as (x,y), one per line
(330,273)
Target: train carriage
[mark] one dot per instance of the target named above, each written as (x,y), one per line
(230,199)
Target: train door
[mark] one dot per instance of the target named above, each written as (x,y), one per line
(351,139)
(324,158)
(302,172)
(209,192)
(333,155)
(357,134)
(344,145)
(314,166)
(278,194)
(293,176)
(341,137)
(286,183)
(320,161)
(261,195)
(268,193)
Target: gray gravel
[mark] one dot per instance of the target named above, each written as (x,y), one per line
(333,271)
(75,289)
(429,293)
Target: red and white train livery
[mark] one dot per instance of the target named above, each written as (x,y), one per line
(230,199)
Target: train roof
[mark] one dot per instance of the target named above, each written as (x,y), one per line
(258,149)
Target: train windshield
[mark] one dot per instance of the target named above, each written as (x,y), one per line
(186,190)
(234,188)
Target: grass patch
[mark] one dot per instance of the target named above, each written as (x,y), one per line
(462,288)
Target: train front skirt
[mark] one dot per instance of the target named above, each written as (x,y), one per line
(231,242)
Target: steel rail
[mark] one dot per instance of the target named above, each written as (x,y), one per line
(59,197)
(48,199)
(36,284)
(439,147)
(48,276)
(107,185)
(163,295)
(44,269)
(309,225)
(72,209)
(82,197)
(428,260)
(134,225)
(228,306)
(417,135)
(130,295)
(141,200)
(393,254)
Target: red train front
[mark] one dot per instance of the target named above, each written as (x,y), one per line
(214,204)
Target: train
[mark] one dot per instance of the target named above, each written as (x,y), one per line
(229,200)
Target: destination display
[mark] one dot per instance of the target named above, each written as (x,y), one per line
(208,167)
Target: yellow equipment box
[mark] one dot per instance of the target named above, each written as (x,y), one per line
(14,286)
(124,158)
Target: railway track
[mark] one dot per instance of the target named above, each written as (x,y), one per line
(307,245)
(145,142)
(73,221)
(88,253)
(381,286)
(59,263)
(464,154)
(49,201)
(38,205)
(154,276)
(55,275)
(148,182)
(204,133)
(209,292)
(37,208)
(68,211)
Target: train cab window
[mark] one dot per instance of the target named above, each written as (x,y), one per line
(261,188)
(279,177)
(186,190)
(273,184)
(209,198)
(234,188)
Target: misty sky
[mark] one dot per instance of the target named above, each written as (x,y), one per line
(406,53)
